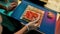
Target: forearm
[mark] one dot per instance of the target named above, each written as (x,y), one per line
(22,30)
(0,24)
(3,7)
(30,24)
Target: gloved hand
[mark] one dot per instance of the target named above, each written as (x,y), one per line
(34,24)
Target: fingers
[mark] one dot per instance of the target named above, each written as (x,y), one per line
(12,6)
(30,23)
(37,24)
(36,19)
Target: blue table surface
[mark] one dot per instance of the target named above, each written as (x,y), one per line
(47,27)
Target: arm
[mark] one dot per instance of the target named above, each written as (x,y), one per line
(57,31)
(33,24)
(3,7)
(22,30)
(0,24)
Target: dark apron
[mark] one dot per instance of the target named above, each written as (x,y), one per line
(10,25)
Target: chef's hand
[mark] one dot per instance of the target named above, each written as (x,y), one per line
(34,24)
(12,6)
